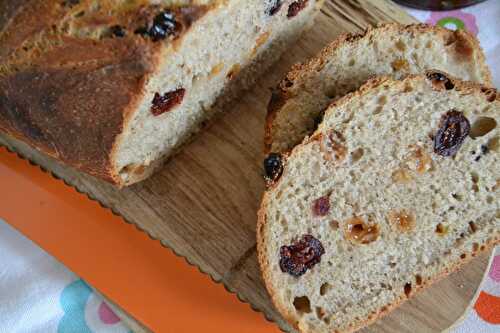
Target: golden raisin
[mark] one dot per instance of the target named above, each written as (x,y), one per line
(358,231)
(401,176)
(403,220)
(400,64)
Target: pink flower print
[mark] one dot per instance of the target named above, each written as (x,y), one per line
(107,315)
(454,20)
(495,269)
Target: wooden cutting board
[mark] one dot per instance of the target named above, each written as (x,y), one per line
(203,203)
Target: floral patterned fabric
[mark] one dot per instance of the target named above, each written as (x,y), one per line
(39,295)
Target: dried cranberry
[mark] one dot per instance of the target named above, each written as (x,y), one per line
(297,258)
(165,103)
(275,7)
(296,7)
(273,167)
(439,79)
(321,206)
(453,129)
(117,31)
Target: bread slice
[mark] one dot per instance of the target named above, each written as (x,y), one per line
(348,62)
(115,87)
(399,186)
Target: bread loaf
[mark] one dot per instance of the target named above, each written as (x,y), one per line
(399,186)
(115,87)
(391,49)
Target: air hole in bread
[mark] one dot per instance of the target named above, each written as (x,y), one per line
(302,304)
(133,169)
(407,289)
(382,100)
(475,247)
(475,181)
(325,287)
(320,313)
(334,224)
(457,196)
(494,144)
(482,126)
(378,109)
(400,45)
(463,256)
(418,279)
(441,229)
(408,88)
(357,154)
(472,227)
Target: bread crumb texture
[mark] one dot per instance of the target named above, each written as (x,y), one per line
(405,191)
(348,62)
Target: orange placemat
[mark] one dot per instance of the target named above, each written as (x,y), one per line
(145,279)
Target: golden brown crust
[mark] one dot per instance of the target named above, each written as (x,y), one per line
(68,85)
(462,86)
(464,42)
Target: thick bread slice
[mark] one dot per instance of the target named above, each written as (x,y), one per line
(349,61)
(115,87)
(392,210)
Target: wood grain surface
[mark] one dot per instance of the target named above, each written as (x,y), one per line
(203,203)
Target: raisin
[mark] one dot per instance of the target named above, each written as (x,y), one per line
(275,7)
(117,31)
(164,25)
(273,167)
(297,258)
(296,7)
(321,206)
(453,129)
(165,103)
(439,80)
